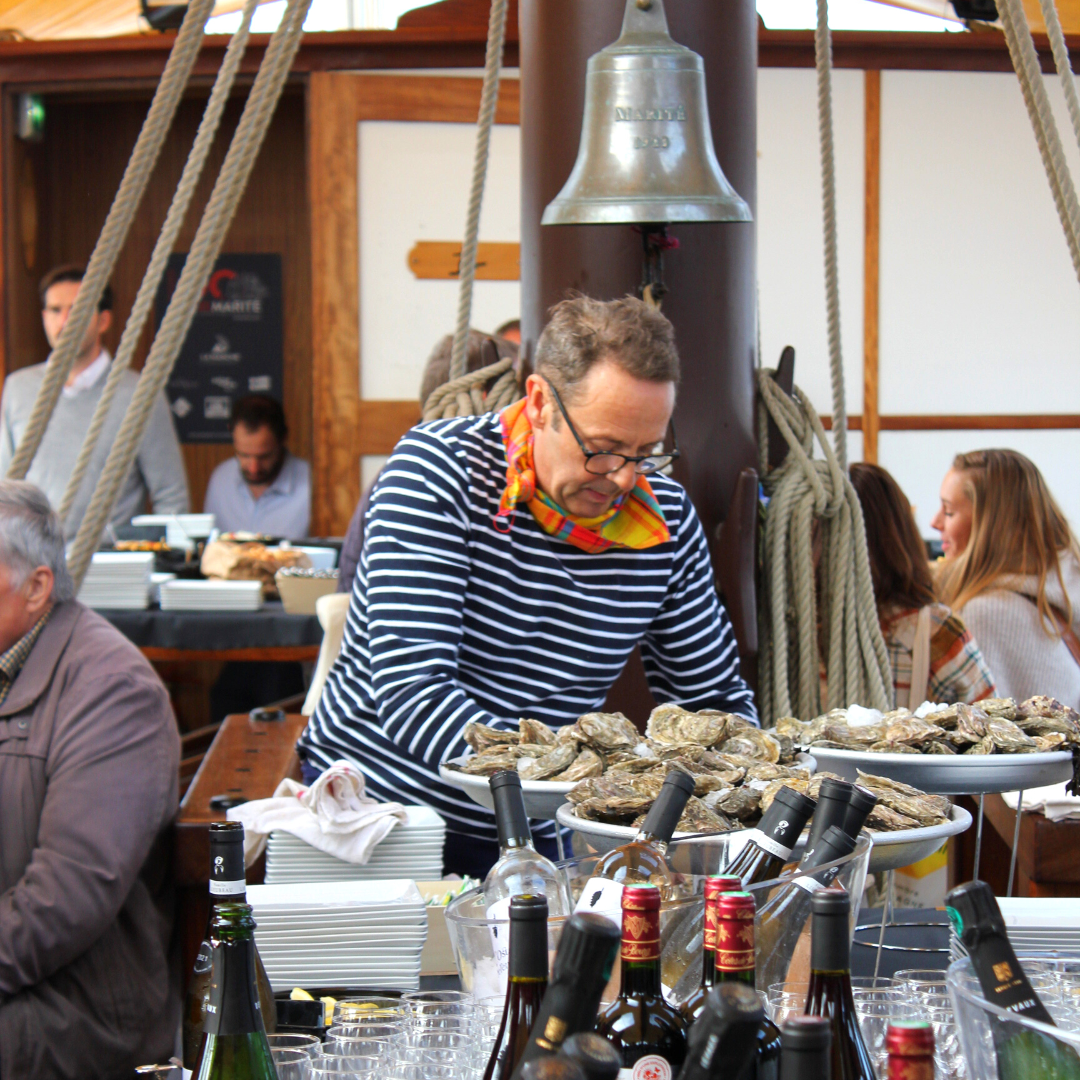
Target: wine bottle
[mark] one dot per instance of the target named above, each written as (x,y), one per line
(693,1006)
(735,963)
(648,1033)
(596,1057)
(769,846)
(527,983)
(520,868)
(234,1045)
(829,993)
(806,1042)
(582,967)
(552,1068)
(910,1044)
(834,798)
(723,1040)
(1021,1052)
(227,886)
(861,803)
(642,860)
(785,915)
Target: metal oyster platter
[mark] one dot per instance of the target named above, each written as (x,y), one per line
(542,797)
(951,774)
(891,849)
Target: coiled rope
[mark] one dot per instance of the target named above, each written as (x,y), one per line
(466,395)
(174,220)
(801,491)
(113,234)
(215,222)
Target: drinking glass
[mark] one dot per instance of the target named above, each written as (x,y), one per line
(367,1007)
(309,1044)
(874,1020)
(291,1064)
(786,999)
(362,1047)
(347,1068)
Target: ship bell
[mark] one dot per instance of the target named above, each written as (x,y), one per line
(646,153)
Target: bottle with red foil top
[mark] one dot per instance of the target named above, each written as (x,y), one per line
(735,962)
(910,1044)
(648,1033)
(694,1005)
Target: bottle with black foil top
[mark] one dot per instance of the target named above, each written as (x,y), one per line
(735,962)
(642,860)
(723,1041)
(806,1042)
(649,1033)
(593,1054)
(694,1005)
(829,993)
(234,1045)
(527,983)
(581,970)
(1022,1053)
(769,846)
(833,800)
(227,886)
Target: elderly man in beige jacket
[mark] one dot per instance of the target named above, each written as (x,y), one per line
(88,789)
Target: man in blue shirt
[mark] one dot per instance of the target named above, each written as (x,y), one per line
(262,488)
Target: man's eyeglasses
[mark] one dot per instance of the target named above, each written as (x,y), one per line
(602,462)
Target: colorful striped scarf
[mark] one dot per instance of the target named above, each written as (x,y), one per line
(635,521)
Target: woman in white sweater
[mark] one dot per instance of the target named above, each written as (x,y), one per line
(1011,570)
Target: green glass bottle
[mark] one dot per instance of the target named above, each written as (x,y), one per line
(234,1045)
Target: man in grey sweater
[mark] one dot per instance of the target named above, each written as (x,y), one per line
(158,471)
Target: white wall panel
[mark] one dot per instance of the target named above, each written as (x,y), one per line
(414,185)
(791,268)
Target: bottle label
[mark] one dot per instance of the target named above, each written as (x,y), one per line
(233,1008)
(911,1068)
(640,934)
(228,888)
(773,847)
(650,1067)
(500,940)
(735,942)
(603,897)
(710,926)
(810,884)
(204,958)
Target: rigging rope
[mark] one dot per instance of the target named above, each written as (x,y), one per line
(465,396)
(1062,62)
(174,220)
(113,234)
(467,265)
(215,222)
(801,491)
(823,60)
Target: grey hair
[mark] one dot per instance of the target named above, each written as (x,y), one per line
(31,536)
(583,331)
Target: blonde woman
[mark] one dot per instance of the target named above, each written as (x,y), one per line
(1012,571)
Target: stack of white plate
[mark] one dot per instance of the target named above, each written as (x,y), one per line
(211,595)
(1036,924)
(118,579)
(411,850)
(357,935)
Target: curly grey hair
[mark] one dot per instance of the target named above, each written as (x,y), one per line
(31,536)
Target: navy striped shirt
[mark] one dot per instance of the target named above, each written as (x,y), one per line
(452,621)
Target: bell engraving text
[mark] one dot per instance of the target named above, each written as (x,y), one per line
(628,113)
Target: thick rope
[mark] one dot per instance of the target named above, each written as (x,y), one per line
(1029,73)
(823,58)
(465,396)
(1062,62)
(216,219)
(801,491)
(174,221)
(467,266)
(159,119)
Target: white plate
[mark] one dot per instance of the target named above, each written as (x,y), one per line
(890,850)
(952,774)
(389,895)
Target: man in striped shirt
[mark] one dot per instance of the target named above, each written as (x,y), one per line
(512,562)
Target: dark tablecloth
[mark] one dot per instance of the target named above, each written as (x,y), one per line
(903,937)
(216,630)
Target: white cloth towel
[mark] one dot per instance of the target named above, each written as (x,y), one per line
(333,815)
(1051,800)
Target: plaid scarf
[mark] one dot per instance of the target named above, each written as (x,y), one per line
(635,521)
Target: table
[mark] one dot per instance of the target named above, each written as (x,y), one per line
(269,634)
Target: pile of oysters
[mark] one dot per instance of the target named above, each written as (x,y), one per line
(994,726)
(737,768)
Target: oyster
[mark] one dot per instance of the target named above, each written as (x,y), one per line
(1055,740)
(944,718)
(937,746)
(561,757)
(970,726)
(486,764)
(891,792)
(1008,737)
(634,764)
(1005,707)
(692,751)
(909,730)
(607,731)
(620,810)
(983,746)
(767,771)
(530,750)
(480,736)
(533,731)
(1047,706)
(752,743)
(671,724)
(794,729)
(741,803)
(587,763)
(697,817)
(894,748)
(884,819)
(787,746)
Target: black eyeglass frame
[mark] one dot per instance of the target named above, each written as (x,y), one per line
(662,460)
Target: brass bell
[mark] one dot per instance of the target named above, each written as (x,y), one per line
(646,153)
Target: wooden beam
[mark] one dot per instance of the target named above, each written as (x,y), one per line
(382,423)
(871,264)
(980,422)
(441,259)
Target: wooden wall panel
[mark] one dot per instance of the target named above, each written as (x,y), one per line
(79,165)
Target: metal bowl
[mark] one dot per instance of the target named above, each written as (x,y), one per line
(542,797)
